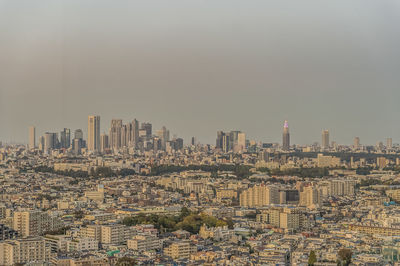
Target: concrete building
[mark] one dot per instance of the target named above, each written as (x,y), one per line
(180,249)
(21,251)
(144,243)
(93,133)
(35,223)
(259,195)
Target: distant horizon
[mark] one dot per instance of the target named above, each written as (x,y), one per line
(104,130)
(202,66)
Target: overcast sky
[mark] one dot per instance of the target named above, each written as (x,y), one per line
(202,66)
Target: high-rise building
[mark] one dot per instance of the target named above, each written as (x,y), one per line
(286,136)
(134,135)
(163,134)
(93,133)
(115,134)
(219,141)
(32,137)
(325,139)
(356,142)
(104,145)
(50,141)
(78,134)
(65,138)
(148,128)
(389,143)
(241,141)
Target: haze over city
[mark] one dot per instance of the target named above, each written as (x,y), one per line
(198,67)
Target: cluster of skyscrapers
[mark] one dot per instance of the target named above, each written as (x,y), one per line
(231,141)
(120,136)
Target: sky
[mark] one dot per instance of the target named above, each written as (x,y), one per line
(201,66)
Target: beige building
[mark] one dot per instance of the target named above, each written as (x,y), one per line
(310,197)
(91,231)
(116,234)
(281,217)
(23,251)
(97,195)
(180,249)
(225,194)
(259,195)
(35,223)
(144,243)
(93,133)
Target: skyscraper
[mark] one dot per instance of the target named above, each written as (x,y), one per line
(65,138)
(241,143)
(78,134)
(389,143)
(32,137)
(286,136)
(93,133)
(50,142)
(115,134)
(356,142)
(325,139)
(148,127)
(103,143)
(134,133)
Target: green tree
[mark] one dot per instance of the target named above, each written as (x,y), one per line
(312,258)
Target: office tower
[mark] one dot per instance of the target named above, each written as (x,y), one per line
(286,136)
(93,133)
(259,195)
(163,134)
(225,143)
(178,144)
(241,141)
(325,139)
(219,141)
(233,139)
(77,146)
(103,143)
(134,135)
(50,141)
(78,134)
(124,136)
(32,137)
(356,142)
(65,138)
(148,128)
(115,134)
(389,143)
(193,141)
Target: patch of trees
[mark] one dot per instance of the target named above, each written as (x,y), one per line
(301,172)
(186,220)
(241,171)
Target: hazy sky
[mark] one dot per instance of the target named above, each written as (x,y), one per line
(202,66)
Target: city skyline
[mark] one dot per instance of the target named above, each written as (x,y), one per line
(74,60)
(285,141)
